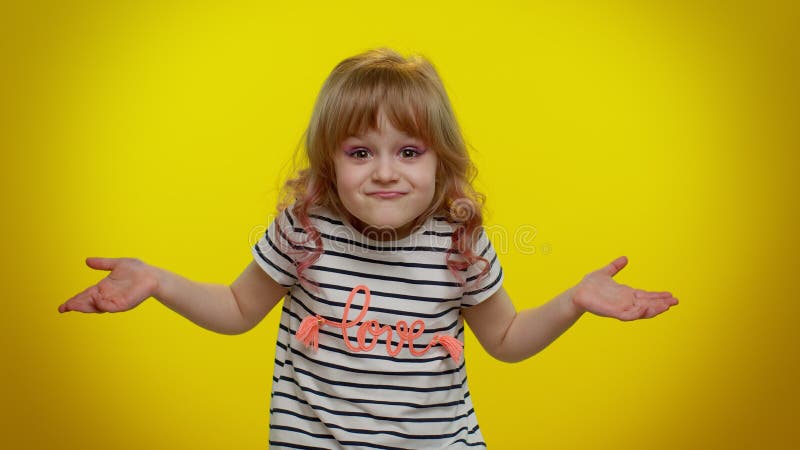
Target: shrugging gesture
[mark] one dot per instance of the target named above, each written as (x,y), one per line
(128,285)
(221,308)
(512,336)
(599,294)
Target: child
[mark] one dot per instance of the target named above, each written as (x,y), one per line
(380,258)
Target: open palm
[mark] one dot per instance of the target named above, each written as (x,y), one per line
(599,294)
(128,284)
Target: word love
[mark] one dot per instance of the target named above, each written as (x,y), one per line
(308,332)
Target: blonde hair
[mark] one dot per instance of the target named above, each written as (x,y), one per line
(411,95)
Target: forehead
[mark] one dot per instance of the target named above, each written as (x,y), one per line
(384,109)
(383,129)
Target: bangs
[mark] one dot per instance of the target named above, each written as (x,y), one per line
(399,95)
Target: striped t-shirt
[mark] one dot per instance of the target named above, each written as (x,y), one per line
(360,393)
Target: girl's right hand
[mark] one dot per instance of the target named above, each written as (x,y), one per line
(130,282)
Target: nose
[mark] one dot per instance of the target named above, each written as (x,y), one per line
(385,170)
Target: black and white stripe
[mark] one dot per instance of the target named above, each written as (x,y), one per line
(337,398)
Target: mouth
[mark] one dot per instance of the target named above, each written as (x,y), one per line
(386,194)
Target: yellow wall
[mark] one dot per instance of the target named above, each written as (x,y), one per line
(664,131)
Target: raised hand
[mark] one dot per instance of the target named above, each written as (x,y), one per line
(129,283)
(599,294)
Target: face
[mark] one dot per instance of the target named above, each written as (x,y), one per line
(385,179)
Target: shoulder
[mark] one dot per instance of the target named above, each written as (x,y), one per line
(438,225)
(478,237)
(315,216)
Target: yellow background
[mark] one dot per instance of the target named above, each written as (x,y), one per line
(664,131)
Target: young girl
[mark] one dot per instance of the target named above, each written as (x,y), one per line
(380,257)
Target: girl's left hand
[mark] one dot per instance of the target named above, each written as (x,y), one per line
(599,294)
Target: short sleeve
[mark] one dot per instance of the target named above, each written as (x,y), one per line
(480,287)
(273,252)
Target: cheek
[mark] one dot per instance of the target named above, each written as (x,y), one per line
(348,181)
(342,187)
(427,177)
(340,173)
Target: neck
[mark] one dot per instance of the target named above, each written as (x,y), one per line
(384,234)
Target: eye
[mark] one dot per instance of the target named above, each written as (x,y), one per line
(410,152)
(359,153)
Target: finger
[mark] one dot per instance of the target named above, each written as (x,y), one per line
(85,306)
(655,309)
(102,263)
(639,293)
(660,306)
(82,302)
(672,301)
(69,305)
(632,314)
(637,310)
(667,300)
(66,307)
(615,266)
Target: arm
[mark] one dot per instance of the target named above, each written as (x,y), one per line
(225,309)
(511,336)
(230,309)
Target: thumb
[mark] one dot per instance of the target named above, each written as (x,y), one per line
(102,263)
(615,266)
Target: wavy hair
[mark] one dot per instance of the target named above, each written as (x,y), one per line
(411,95)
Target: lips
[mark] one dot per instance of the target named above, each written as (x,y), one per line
(386,194)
